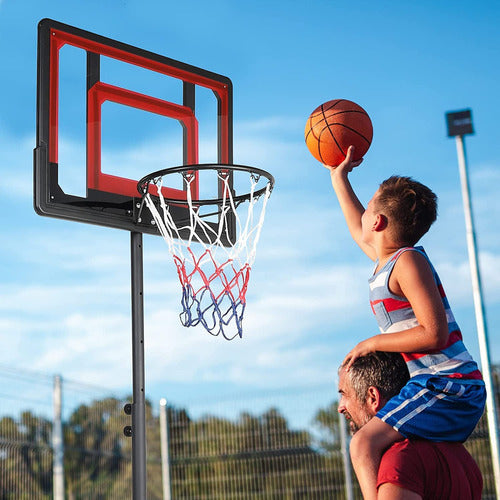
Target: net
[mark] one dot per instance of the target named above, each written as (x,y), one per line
(214,246)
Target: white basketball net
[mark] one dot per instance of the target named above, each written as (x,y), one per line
(214,277)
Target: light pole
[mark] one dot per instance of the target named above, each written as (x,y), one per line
(460,124)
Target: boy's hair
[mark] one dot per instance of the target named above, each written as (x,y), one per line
(410,207)
(387,371)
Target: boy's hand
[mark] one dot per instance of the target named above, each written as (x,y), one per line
(348,164)
(362,349)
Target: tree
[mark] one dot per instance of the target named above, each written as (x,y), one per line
(95,448)
(326,421)
(25,457)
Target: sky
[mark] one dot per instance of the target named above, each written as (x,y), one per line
(65,286)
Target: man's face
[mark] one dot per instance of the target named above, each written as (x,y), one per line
(356,412)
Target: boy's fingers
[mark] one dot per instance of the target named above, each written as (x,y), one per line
(348,361)
(348,161)
(350,152)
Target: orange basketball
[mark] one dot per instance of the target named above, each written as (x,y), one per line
(333,127)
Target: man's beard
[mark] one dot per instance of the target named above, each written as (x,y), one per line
(355,426)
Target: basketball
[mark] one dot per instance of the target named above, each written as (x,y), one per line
(333,127)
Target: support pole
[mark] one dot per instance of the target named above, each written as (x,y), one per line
(138,404)
(57,441)
(480,314)
(165,460)
(346,458)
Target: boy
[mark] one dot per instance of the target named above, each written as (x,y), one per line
(445,396)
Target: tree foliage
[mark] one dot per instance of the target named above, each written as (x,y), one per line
(210,457)
(25,457)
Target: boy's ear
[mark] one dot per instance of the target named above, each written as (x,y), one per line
(380,222)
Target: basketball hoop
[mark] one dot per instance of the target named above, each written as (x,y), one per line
(214,244)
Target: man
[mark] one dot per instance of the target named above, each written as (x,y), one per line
(409,470)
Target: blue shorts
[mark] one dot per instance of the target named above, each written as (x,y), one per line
(436,408)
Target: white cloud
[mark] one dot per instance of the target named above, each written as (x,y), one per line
(457,278)
(17,168)
(69,312)
(490,277)
(95,349)
(85,332)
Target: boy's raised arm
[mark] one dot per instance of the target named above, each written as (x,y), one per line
(349,202)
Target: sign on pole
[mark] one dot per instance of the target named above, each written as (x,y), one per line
(459,123)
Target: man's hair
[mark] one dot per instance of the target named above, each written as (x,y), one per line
(409,206)
(387,371)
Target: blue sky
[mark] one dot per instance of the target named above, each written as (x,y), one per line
(65,288)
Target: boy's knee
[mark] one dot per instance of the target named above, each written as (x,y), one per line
(360,445)
(367,443)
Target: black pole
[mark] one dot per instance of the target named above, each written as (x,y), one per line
(138,404)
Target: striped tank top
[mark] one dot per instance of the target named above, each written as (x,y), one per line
(394,314)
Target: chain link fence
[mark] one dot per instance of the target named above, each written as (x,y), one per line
(280,445)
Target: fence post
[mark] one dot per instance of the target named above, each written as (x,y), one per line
(165,466)
(346,459)
(57,441)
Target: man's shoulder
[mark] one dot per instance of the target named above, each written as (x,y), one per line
(402,451)
(422,455)
(402,466)
(423,447)
(431,469)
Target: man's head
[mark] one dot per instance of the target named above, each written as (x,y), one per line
(409,206)
(370,382)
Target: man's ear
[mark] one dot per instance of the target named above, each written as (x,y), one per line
(374,399)
(380,222)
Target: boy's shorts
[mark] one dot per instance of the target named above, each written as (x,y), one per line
(436,408)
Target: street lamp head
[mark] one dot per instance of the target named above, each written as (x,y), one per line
(459,123)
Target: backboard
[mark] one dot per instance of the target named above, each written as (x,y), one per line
(109,113)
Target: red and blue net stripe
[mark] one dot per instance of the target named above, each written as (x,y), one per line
(213,300)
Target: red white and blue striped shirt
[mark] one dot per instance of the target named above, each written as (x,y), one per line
(394,314)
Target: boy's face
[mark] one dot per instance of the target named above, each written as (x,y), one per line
(369,218)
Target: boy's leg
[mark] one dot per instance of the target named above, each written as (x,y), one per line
(367,447)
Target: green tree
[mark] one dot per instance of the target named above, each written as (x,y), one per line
(326,421)
(25,457)
(95,448)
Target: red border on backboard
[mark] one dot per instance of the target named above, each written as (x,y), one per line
(100,92)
